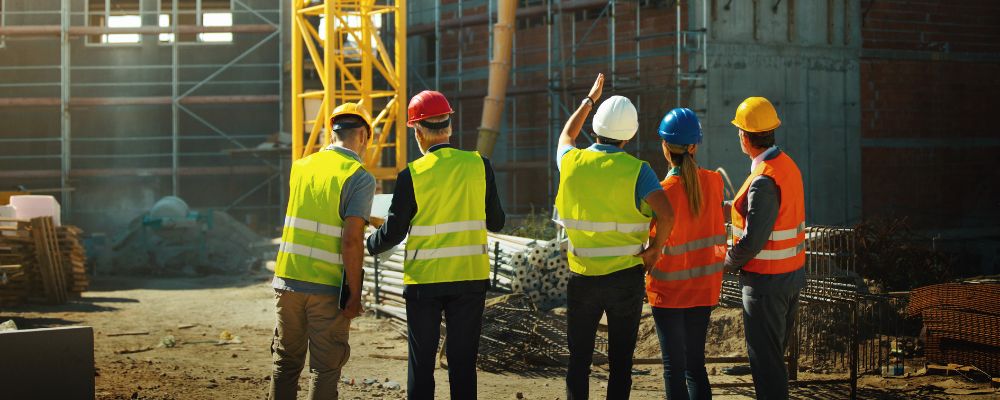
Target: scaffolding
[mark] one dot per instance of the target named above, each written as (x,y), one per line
(653,51)
(154,73)
(350,53)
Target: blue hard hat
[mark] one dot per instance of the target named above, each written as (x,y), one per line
(680,126)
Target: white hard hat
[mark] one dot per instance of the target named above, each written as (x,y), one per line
(616,118)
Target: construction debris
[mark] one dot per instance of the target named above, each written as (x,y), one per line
(516,336)
(41,262)
(960,321)
(171,239)
(8,325)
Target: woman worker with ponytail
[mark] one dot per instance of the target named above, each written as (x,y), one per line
(685,282)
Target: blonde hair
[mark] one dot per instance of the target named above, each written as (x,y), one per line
(678,156)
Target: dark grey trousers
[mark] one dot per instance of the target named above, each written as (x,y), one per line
(769,319)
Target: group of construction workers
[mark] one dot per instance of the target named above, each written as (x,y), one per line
(632,237)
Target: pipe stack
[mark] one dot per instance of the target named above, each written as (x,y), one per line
(538,269)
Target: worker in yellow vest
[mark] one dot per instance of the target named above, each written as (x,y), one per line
(603,203)
(769,222)
(329,203)
(445,201)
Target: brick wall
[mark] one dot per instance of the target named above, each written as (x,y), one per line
(526,173)
(930,90)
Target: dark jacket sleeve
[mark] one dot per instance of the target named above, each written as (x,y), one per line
(401,211)
(762,211)
(495,217)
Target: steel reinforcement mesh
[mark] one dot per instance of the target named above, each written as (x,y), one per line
(517,337)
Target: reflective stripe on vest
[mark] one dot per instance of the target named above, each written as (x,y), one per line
(445,252)
(603,226)
(449,227)
(306,251)
(771,255)
(785,234)
(617,251)
(694,245)
(685,274)
(313,226)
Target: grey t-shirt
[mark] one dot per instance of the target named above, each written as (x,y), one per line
(355,201)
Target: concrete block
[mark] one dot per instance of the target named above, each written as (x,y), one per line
(56,363)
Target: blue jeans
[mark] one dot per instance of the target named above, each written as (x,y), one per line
(682,343)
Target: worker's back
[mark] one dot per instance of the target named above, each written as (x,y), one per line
(597,206)
(689,274)
(310,240)
(447,237)
(784,251)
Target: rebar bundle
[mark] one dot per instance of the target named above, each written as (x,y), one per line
(962,322)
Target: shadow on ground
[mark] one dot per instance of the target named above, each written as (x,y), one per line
(83,305)
(133,282)
(840,392)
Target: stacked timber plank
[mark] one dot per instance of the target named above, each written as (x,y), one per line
(41,262)
(962,323)
(74,258)
(50,266)
(17,261)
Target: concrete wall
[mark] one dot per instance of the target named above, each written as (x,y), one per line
(803,56)
(106,203)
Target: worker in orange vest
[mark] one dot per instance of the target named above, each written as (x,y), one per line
(768,250)
(685,282)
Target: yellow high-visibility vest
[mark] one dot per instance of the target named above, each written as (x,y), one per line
(447,238)
(310,240)
(596,204)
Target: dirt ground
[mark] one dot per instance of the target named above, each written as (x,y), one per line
(192,314)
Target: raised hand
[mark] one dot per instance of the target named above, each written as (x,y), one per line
(595,92)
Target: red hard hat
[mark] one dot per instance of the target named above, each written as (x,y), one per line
(427,104)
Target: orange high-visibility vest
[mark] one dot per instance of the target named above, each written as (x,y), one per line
(689,272)
(785,248)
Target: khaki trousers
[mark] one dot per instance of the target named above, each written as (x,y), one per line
(308,322)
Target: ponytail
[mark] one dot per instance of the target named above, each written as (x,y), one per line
(680,157)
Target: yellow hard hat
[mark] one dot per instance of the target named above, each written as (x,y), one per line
(352,109)
(756,114)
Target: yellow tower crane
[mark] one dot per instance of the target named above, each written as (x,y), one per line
(341,40)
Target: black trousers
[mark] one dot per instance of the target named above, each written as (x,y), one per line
(769,320)
(619,295)
(463,314)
